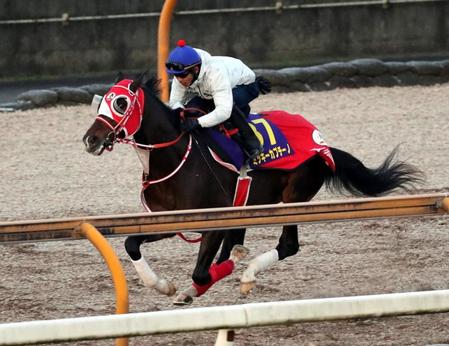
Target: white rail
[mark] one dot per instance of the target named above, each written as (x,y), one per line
(224,317)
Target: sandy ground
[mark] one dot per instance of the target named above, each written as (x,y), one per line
(45,173)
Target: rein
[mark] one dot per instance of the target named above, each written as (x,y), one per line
(212,171)
(132,142)
(151,146)
(146,183)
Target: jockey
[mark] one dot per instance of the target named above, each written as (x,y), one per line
(221,86)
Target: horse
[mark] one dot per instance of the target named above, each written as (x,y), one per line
(180,172)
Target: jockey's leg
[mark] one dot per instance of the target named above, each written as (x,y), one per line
(146,274)
(288,245)
(242,95)
(246,137)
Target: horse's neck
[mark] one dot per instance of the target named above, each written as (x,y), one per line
(159,127)
(157,123)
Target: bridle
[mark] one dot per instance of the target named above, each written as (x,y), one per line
(117,122)
(128,120)
(111,137)
(132,115)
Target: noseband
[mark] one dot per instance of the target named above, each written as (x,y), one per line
(111,137)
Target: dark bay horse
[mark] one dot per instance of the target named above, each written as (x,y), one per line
(180,173)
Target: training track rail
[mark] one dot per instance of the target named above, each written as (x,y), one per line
(224,317)
(227,218)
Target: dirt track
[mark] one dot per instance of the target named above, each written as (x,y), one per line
(45,173)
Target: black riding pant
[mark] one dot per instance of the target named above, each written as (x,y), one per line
(242,96)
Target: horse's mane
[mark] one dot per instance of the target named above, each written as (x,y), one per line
(153,86)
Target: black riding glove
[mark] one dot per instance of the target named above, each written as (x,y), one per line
(190,124)
(178,111)
(263,84)
(193,112)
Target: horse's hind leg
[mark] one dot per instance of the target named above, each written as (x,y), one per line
(303,184)
(232,247)
(147,275)
(288,246)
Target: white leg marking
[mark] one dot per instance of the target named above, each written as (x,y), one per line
(150,278)
(238,253)
(257,265)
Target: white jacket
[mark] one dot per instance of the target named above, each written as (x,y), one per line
(218,76)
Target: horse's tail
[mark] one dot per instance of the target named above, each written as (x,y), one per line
(353,176)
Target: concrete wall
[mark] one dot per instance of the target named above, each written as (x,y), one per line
(295,37)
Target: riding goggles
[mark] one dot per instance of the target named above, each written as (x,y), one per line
(178,69)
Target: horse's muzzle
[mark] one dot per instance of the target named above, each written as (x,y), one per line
(94,145)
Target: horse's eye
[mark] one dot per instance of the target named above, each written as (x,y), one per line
(120,105)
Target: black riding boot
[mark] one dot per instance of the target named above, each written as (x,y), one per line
(246,137)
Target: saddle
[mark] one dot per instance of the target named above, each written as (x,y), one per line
(287,139)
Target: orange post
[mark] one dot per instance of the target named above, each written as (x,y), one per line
(118,275)
(445,204)
(164,45)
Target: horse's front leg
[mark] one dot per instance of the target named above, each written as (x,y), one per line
(146,274)
(205,274)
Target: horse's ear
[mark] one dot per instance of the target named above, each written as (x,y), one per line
(119,77)
(134,85)
(137,82)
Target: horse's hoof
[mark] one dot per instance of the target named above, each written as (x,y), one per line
(186,296)
(171,289)
(183,299)
(238,253)
(165,287)
(247,287)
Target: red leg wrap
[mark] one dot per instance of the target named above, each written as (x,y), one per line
(202,289)
(217,272)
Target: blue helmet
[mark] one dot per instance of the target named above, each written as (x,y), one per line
(181,59)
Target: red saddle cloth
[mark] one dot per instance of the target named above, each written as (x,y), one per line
(288,141)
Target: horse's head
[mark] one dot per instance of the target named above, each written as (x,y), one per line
(119,116)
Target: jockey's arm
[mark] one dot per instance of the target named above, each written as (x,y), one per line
(223,100)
